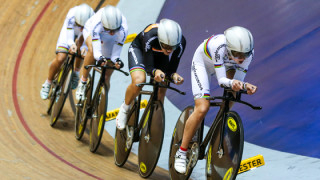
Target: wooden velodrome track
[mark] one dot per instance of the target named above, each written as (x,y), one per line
(30,148)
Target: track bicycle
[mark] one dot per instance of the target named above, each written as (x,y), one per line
(226,137)
(94,106)
(60,88)
(149,131)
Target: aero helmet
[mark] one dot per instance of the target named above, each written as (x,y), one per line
(83,13)
(239,40)
(111,17)
(169,32)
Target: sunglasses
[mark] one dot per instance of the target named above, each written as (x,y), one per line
(112,30)
(241,55)
(168,47)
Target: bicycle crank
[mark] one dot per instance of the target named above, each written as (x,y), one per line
(193,156)
(129,131)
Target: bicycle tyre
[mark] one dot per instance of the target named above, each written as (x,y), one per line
(63,88)
(99,110)
(176,143)
(81,117)
(233,141)
(150,149)
(121,151)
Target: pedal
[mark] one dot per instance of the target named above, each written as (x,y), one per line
(129,132)
(220,153)
(147,138)
(193,156)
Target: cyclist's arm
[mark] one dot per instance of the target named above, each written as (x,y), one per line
(148,57)
(70,20)
(117,47)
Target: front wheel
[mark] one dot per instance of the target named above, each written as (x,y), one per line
(99,109)
(225,163)
(176,142)
(151,139)
(62,91)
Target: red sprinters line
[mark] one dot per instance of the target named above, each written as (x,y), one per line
(15,98)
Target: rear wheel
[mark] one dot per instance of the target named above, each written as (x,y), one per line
(176,142)
(150,143)
(81,116)
(226,166)
(98,120)
(124,139)
(61,94)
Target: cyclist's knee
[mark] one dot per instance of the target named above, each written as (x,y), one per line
(60,57)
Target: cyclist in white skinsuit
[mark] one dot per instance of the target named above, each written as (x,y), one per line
(227,56)
(104,34)
(70,40)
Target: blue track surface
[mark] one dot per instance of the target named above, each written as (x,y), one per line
(285,66)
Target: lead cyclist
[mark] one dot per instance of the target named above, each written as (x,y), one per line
(227,56)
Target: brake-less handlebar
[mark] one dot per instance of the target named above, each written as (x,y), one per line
(162,86)
(107,67)
(234,99)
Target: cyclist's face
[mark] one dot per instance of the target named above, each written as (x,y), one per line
(239,57)
(111,32)
(167,50)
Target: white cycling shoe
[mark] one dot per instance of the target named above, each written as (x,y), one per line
(44,92)
(122,118)
(80,91)
(180,162)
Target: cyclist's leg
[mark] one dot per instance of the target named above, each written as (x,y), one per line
(88,60)
(138,75)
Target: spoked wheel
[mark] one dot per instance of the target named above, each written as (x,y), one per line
(226,165)
(124,139)
(61,94)
(81,116)
(176,142)
(150,143)
(99,110)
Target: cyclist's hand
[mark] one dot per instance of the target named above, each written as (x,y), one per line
(73,49)
(251,89)
(177,79)
(102,61)
(119,64)
(83,52)
(159,76)
(237,85)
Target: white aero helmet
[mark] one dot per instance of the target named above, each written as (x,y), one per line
(111,17)
(83,13)
(239,40)
(169,32)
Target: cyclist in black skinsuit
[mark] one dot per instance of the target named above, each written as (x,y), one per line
(150,53)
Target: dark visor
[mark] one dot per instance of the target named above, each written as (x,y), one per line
(168,47)
(241,54)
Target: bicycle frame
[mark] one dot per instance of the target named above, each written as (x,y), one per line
(226,99)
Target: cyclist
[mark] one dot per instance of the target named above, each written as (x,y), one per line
(227,56)
(149,52)
(70,40)
(104,35)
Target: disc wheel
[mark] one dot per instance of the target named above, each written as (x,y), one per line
(226,166)
(61,94)
(81,116)
(176,142)
(150,143)
(124,139)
